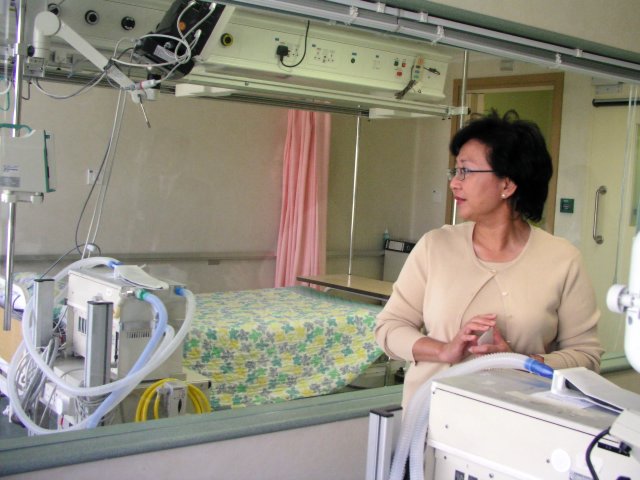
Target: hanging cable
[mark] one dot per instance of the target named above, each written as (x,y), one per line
(590,448)
(282,50)
(104,172)
(85,88)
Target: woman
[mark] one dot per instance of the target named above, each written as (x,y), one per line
(496,274)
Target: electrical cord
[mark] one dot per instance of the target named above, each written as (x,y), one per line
(182,41)
(590,448)
(184,58)
(194,27)
(178,59)
(198,400)
(86,201)
(53,393)
(91,247)
(85,88)
(400,95)
(15,126)
(104,187)
(7,97)
(304,53)
(32,381)
(105,165)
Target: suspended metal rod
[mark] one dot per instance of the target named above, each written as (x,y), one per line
(463,100)
(20,53)
(8,266)
(353,199)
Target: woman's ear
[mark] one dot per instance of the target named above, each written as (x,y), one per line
(509,188)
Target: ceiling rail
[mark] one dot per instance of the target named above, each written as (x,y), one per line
(422,26)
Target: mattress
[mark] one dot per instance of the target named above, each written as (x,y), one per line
(272,345)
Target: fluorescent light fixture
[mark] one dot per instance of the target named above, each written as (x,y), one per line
(307,8)
(377,21)
(188,90)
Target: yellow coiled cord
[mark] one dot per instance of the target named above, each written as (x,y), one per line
(198,399)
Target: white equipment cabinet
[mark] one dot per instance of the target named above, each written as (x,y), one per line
(132,319)
(504,424)
(395,254)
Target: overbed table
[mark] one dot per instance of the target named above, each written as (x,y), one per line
(368,287)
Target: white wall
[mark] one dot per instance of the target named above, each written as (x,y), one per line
(402,182)
(191,182)
(387,163)
(572,168)
(206,177)
(577,96)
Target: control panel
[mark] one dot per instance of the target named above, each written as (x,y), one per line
(280,47)
(101,22)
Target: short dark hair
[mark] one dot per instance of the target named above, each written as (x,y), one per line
(516,150)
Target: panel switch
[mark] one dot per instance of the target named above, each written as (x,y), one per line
(566,205)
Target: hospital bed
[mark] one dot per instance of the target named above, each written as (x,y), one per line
(267,345)
(271,345)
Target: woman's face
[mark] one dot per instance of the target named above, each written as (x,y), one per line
(480,195)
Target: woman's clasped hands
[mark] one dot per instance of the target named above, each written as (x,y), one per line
(479,336)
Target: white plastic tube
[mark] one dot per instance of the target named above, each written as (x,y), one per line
(89,391)
(158,358)
(124,388)
(168,345)
(153,363)
(416,419)
(158,331)
(121,388)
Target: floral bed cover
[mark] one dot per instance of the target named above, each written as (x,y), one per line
(271,345)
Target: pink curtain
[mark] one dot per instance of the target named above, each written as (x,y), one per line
(303,218)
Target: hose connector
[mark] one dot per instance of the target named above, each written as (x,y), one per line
(539,368)
(140,293)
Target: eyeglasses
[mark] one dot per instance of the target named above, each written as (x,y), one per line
(461,172)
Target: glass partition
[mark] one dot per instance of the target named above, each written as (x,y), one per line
(219,165)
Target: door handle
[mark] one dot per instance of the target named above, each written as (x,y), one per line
(597,238)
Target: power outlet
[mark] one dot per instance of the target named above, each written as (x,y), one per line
(91,177)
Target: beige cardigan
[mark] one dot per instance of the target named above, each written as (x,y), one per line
(544,301)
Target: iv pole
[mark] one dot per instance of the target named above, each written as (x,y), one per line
(47,24)
(8,197)
(353,199)
(463,99)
